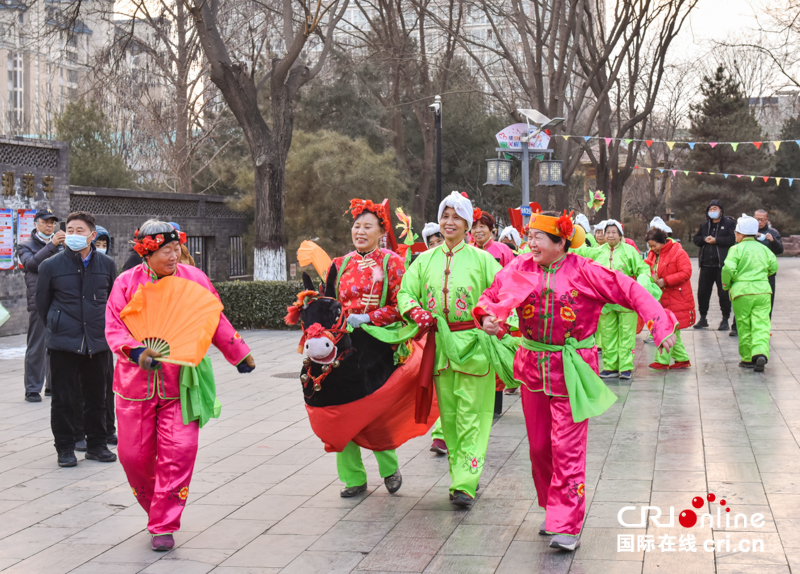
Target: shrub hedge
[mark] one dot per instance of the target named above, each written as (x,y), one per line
(258,304)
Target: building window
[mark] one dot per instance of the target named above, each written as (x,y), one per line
(197,249)
(238,259)
(15,90)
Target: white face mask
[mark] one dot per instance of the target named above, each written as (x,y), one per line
(102,250)
(714,214)
(44,237)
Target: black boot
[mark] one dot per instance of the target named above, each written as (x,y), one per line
(759,361)
(702,323)
(67,458)
(100,454)
(724,325)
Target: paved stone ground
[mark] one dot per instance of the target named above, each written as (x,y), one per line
(265,495)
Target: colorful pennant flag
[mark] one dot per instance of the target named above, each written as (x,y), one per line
(734,145)
(777,145)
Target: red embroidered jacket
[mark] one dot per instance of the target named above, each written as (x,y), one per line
(361,285)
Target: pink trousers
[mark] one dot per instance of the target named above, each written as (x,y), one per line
(157,452)
(558,460)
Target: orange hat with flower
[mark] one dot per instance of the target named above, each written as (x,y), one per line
(359,206)
(561,226)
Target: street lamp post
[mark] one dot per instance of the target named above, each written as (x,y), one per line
(436,108)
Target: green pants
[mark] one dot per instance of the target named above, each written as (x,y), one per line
(437,431)
(678,352)
(351,468)
(618,331)
(753,323)
(598,340)
(466,408)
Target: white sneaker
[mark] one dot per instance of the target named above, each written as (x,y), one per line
(564,542)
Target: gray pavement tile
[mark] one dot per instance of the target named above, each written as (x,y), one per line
(498,511)
(352,536)
(752,569)
(679,480)
(746,548)
(271,551)
(382,509)
(479,540)
(230,533)
(609,490)
(312,521)
(269,507)
(92,567)
(523,556)
(732,472)
(442,564)
(172,566)
(427,524)
(329,562)
(581,566)
(57,559)
(397,554)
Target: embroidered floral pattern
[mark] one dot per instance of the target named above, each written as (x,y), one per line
(527,312)
(179,495)
(576,490)
(473,463)
(431,303)
(568,314)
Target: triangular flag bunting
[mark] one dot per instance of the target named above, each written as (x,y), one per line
(661,170)
(699,173)
(765,178)
(674,172)
(797,142)
(713,145)
(739,175)
(752,178)
(627,141)
(670,145)
(757,144)
(648,142)
(608,140)
(712,173)
(648,169)
(691,145)
(777,145)
(587,138)
(791,179)
(685,173)
(734,145)
(565,137)
(778,180)
(726,175)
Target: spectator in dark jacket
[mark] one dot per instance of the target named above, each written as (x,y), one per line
(770,237)
(43,243)
(71,295)
(714,238)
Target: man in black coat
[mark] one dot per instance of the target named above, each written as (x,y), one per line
(770,237)
(43,243)
(71,294)
(714,238)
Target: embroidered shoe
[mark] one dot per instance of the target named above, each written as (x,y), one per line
(439,446)
(163,542)
(758,363)
(461,499)
(659,366)
(564,542)
(351,491)
(542,531)
(626,375)
(681,365)
(393,482)
(609,374)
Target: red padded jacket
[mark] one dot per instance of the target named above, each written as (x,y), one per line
(675,268)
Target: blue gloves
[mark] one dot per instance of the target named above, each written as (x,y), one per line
(246,365)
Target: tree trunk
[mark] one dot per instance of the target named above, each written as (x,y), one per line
(428,160)
(183,183)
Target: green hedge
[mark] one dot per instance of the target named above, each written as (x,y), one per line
(258,304)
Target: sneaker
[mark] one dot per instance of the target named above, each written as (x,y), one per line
(701,324)
(609,374)
(67,458)
(351,491)
(48,393)
(112,439)
(80,445)
(659,366)
(461,499)
(439,446)
(100,454)
(393,482)
(33,397)
(564,542)
(163,543)
(542,531)
(649,340)
(680,365)
(626,375)
(724,325)
(510,392)
(747,364)
(758,363)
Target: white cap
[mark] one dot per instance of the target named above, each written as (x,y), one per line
(461,204)
(604,224)
(428,230)
(600,226)
(747,225)
(512,233)
(583,221)
(658,223)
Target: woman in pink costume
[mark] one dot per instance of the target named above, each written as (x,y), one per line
(558,297)
(156,449)
(482,225)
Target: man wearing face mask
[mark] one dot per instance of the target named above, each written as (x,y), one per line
(71,294)
(714,238)
(43,243)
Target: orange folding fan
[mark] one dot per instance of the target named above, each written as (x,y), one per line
(175,317)
(310,252)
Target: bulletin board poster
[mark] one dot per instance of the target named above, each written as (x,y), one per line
(25,224)
(6,239)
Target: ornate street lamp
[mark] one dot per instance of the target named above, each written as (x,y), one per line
(498,171)
(550,172)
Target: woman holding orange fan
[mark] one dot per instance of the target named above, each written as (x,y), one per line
(160,320)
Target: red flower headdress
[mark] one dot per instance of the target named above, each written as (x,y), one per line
(293,311)
(476,214)
(147,244)
(565,226)
(358,206)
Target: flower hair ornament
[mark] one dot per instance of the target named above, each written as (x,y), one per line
(476,215)
(564,225)
(359,206)
(147,244)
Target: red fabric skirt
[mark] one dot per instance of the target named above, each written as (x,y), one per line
(383,420)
